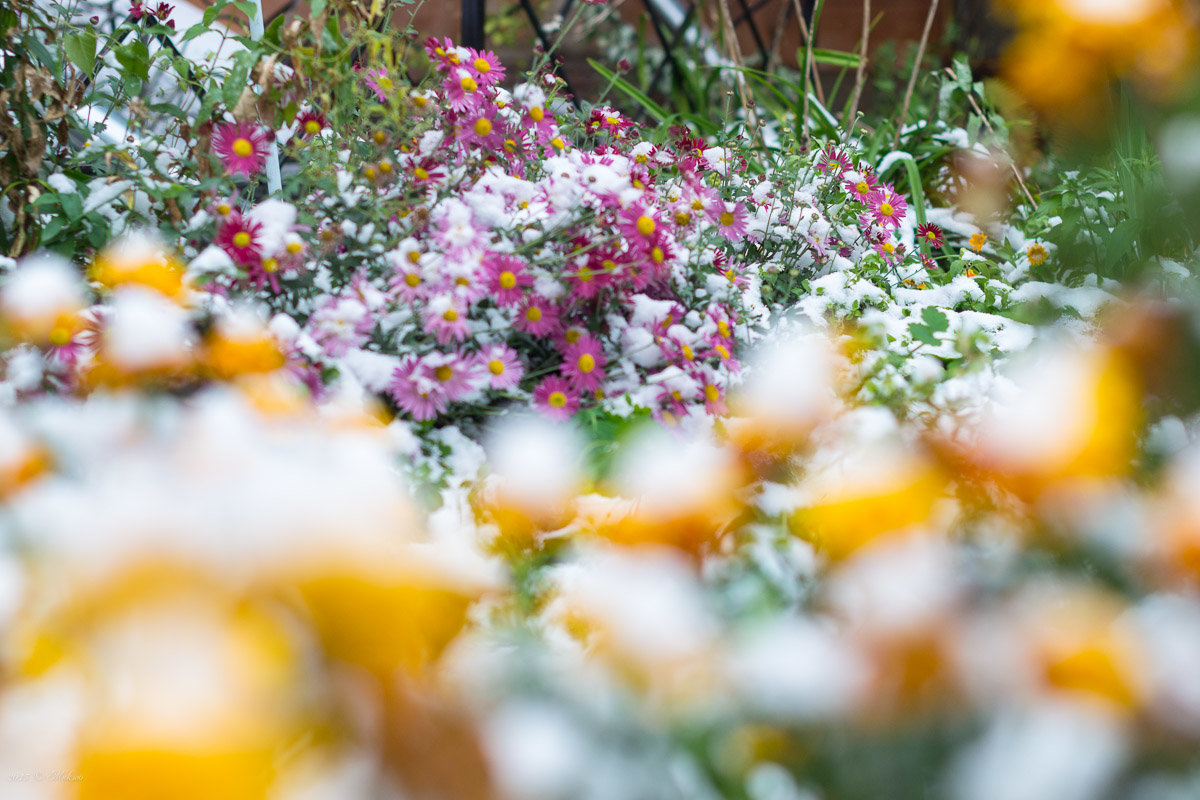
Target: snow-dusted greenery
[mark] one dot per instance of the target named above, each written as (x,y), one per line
(814,475)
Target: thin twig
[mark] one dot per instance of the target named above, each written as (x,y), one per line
(777,37)
(808,56)
(912,78)
(860,77)
(735,53)
(983,118)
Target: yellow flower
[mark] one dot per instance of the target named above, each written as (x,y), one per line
(978,240)
(1037,254)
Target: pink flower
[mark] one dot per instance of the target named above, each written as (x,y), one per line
(507,278)
(555,398)
(415,392)
(241,146)
(455,373)
(447,319)
(732,220)
(486,68)
(588,279)
(537,317)
(583,363)
(833,161)
(462,90)
(377,81)
(240,238)
(340,324)
(310,123)
(887,207)
(860,185)
(639,224)
(931,234)
(500,366)
(482,129)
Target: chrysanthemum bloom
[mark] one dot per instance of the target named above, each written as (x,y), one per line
(537,316)
(583,363)
(638,223)
(860,184)
(454,372)
(462,90)
(265,272)
(1037,254)
(978,240)
(931,234)
(714,400)
(555,398)
(887,207)
(507,278)
(731,220)
(241,146)
(589,277)
(443,53)
(415,392)
(500,366)
(447,319)
(310,123)
(485,67)
(340,324)
(377,81)
(241,239)
(833,161)
(483,129)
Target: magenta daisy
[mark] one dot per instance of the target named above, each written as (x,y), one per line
(482,129)
(732,220)
(241,239)
(860,184)
(377,81)
(415,392)
(454,373)
(310,123)
(500,366)
(833,161)
(485,67)
(241,146)
(555,398)
(537,316)
(639,223)
(887,207)
(446,317)
(507,278)
(931,234)
(583,363)
(462,90)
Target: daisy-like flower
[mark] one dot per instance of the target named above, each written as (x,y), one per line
(447,319)
(978,240)
(584,362)
(455,373)
(507,278)
(415,392)
(537,317)
(339,325)
(265,272)
(1036,254)
(555,398)
(589,277)
(462,90)
(731,220)
(639,223)
(931,234)
(241,239)
(500,366)
(859,185)
(833,161)
(310,123)
(887,207)
(241,146)
(714,399)
(485,67)
(377,81)
(482,128)
(443,53)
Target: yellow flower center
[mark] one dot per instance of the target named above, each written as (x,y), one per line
(586,363)
(482,65)
(722,351)
(379,137)
(645,225)
(584,274)
(413,280)
(450,315)
(419,101)
(682,218)
(507,280)
(242,147)
(385,167)
(886,209)
(612,120)
(572,336)
(224,210)
(558,143)
(889,248)
(385,83)
(294,247)
(608,264)
(726,219)
(537,114)
(483,127)
(510,145)
(697,205)
(414,256)
(421,173)
(270,265)
(712,393)
(723,328)
(687,353)
(496,366)
(658,255)
(861,187)
(241,239)
(533,313)
(312,127)
(369,171)
(468,84)
(59,336)
(641,158)
(557,399)
(443,373)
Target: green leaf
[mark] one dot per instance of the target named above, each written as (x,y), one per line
(922,334)
(246,7)
(317,6)
(81,50)
(837,58)
(659,113)
(935,319)
(52,229)
(235,83)
(211,13)
(72,206)
(135,58)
